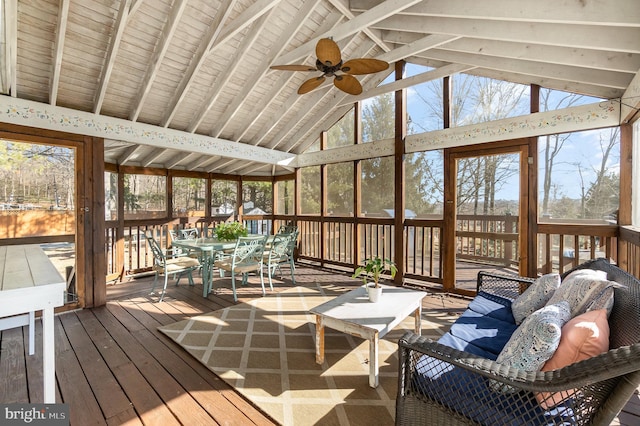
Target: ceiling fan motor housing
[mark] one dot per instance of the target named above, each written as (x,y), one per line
(328,70)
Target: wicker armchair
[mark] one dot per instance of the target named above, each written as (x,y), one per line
(455,390)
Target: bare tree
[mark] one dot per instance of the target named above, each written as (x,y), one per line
(552,144)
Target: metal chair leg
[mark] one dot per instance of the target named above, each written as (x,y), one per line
(233,286)
(164,288)
(262,282)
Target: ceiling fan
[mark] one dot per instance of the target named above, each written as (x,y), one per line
(329,63)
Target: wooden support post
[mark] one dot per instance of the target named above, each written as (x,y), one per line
(399,204)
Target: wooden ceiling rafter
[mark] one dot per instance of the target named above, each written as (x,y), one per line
(200,163)
(198,60)
(170,27)
(263,68)
(152,156)
(180,157)
(280,86)
(234,63)
(353,26)
(581,36)
(375,36)
(128,153)
(58,48)
(112,53)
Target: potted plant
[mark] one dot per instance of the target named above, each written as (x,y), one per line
(229,231)
(371,270)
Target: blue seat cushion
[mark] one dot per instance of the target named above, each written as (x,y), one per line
(483,330)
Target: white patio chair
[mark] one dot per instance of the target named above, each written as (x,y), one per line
(280,252)
(162,265)
(246,257)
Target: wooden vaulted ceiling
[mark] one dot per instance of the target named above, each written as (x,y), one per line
(202,66)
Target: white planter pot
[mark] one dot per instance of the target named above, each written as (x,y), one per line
(373,292)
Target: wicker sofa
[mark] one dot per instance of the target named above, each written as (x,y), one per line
(440,385)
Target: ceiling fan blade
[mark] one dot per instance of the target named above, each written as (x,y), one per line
(328,52)
(364,66)
(293,67)
(348,84)
(310,84)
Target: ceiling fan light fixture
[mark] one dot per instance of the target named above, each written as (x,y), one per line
(328,54)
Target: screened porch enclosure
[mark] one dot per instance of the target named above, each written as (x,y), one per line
(527,205)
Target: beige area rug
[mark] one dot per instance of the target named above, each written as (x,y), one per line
(265,349)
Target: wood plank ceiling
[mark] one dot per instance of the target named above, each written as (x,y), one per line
(202,66)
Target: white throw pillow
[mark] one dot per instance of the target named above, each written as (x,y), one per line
(535,297)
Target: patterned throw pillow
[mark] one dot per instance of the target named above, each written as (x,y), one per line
(584,290)
(534,342)
(535,297)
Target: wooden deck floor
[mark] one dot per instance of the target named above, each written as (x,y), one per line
(113,367)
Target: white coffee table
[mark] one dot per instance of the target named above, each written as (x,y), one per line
(352,313)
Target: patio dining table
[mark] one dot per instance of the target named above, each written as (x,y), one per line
(206,248)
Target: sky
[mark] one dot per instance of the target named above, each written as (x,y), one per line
(582,148)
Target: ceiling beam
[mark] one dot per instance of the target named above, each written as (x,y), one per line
(374,35)
(559,72)
(128,153)
(34,114)
(625,12)
(245,167)
(615,39)
(587,58)
(221,164)
(58,48)
(236,61)
(198,59)
(178,158)
(421,44)
(550,83)
(152,156)
(114,45)
(135,5)
(170,27)
(630,102)
(202,162)
(216,38)
(435,74)
(353,26)
(261,70)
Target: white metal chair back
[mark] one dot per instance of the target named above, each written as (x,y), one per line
(288,228)
(177,265)
(189,233)
(246,257)
(281,252)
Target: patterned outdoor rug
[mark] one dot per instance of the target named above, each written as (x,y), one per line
(265,349)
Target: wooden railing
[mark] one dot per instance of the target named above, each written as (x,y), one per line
(422,250)
(345,242)
(563,246)
(488,238)
(629,255)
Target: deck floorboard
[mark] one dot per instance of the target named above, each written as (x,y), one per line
(113,367)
